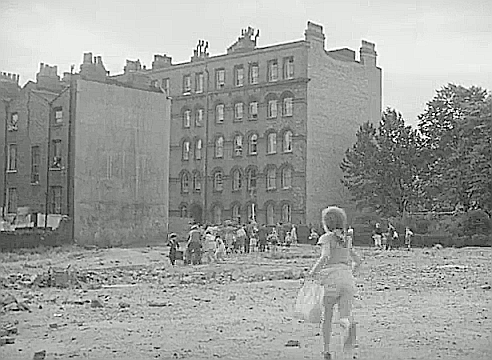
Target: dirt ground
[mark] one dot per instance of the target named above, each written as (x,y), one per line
(423,304)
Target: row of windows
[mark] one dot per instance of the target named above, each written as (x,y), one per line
(250,210)
(239,179)
(240,111)
(12,124)
(238,145)
(55,200)
(239,76)
(56,163)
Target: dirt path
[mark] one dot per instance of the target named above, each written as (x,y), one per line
(426,304)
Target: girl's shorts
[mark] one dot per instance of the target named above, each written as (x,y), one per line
(338,281)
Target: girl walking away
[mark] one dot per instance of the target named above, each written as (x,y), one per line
(220,249)
(335,270)
(173,247)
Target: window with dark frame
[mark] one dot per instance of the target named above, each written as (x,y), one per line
(288,107)
(271,178)
(272,109)
(197,184)
(12,157)
(199,117)
(253,110)
(185,183)
(239,75)
(286,178)
(253,144)
(238,111)
(272,70)
(287,143)
(56,200)
(288,67)
(183,211)
(58,112)
(238,145)
(12,200)
(253,73)
(199,83)
(187,118)
(219,78)
(252,177)
(236,180)
(272,143)
(35,163)
(219,113)
(165,85)
(12,125)
(186,84)
(219,147)
(198,149)
(218,181)
(186,150)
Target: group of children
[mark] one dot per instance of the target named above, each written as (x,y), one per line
(390,239)
(214,243)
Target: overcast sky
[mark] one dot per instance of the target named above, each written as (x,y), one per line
(421,44)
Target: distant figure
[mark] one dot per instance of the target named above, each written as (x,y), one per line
(378,236)
(408,238)
(193,246)
(173,247)
(262,238)
(220,249)
(313,237)
(293,234)
(350,234)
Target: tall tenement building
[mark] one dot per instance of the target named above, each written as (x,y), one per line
(263,130)
(89,147)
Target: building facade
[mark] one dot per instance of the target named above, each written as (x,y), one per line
(90,148)
(261,131)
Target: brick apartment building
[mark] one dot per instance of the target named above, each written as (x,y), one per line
(263,130)
(91,148)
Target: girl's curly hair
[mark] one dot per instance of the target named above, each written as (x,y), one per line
(334,220)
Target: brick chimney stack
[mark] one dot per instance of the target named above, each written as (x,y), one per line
(368,53)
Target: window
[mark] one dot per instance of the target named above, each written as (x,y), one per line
(239,75)
(187,118)
(199,118)
(199,82)
(272,143)
(58,116)
(253,74)
(236,212)
(286,213)
(220,78)
(286,178)
(289,67)
(197,184)
(219,147)
(186,150)
(183,211)
(238,145)
(219,113)
(288,141)
(272,108)
(271,178)
(56,151)
(185,183)
(218,184)
(251,178)
(270,210)
(217,214)
(236,180)
(198,149)
(272,70)
(253,110)
(12,200)
(287,110)
(253,144)
(14,120)
(56,197)
(186,84)
(35,160)
(238,111)
(12,158)
(165,85)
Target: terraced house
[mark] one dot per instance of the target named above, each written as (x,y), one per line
(260,131)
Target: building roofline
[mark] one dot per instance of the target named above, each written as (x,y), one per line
(290,44)
(109,81)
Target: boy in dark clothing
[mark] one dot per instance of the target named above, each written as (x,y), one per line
(174,246)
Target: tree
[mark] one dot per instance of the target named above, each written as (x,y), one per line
(381,170)
(455,129)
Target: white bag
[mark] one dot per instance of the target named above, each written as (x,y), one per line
(309,303)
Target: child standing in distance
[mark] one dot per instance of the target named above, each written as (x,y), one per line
(220,249)
(334,268)
(408,237)
(173,247)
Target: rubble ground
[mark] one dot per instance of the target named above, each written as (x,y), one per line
(122,303)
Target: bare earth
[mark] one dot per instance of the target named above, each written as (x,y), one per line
(424,304)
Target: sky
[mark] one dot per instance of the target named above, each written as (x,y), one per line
(422,45)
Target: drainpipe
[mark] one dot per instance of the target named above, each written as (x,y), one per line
(47,199)
(6,159)
(205,165)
